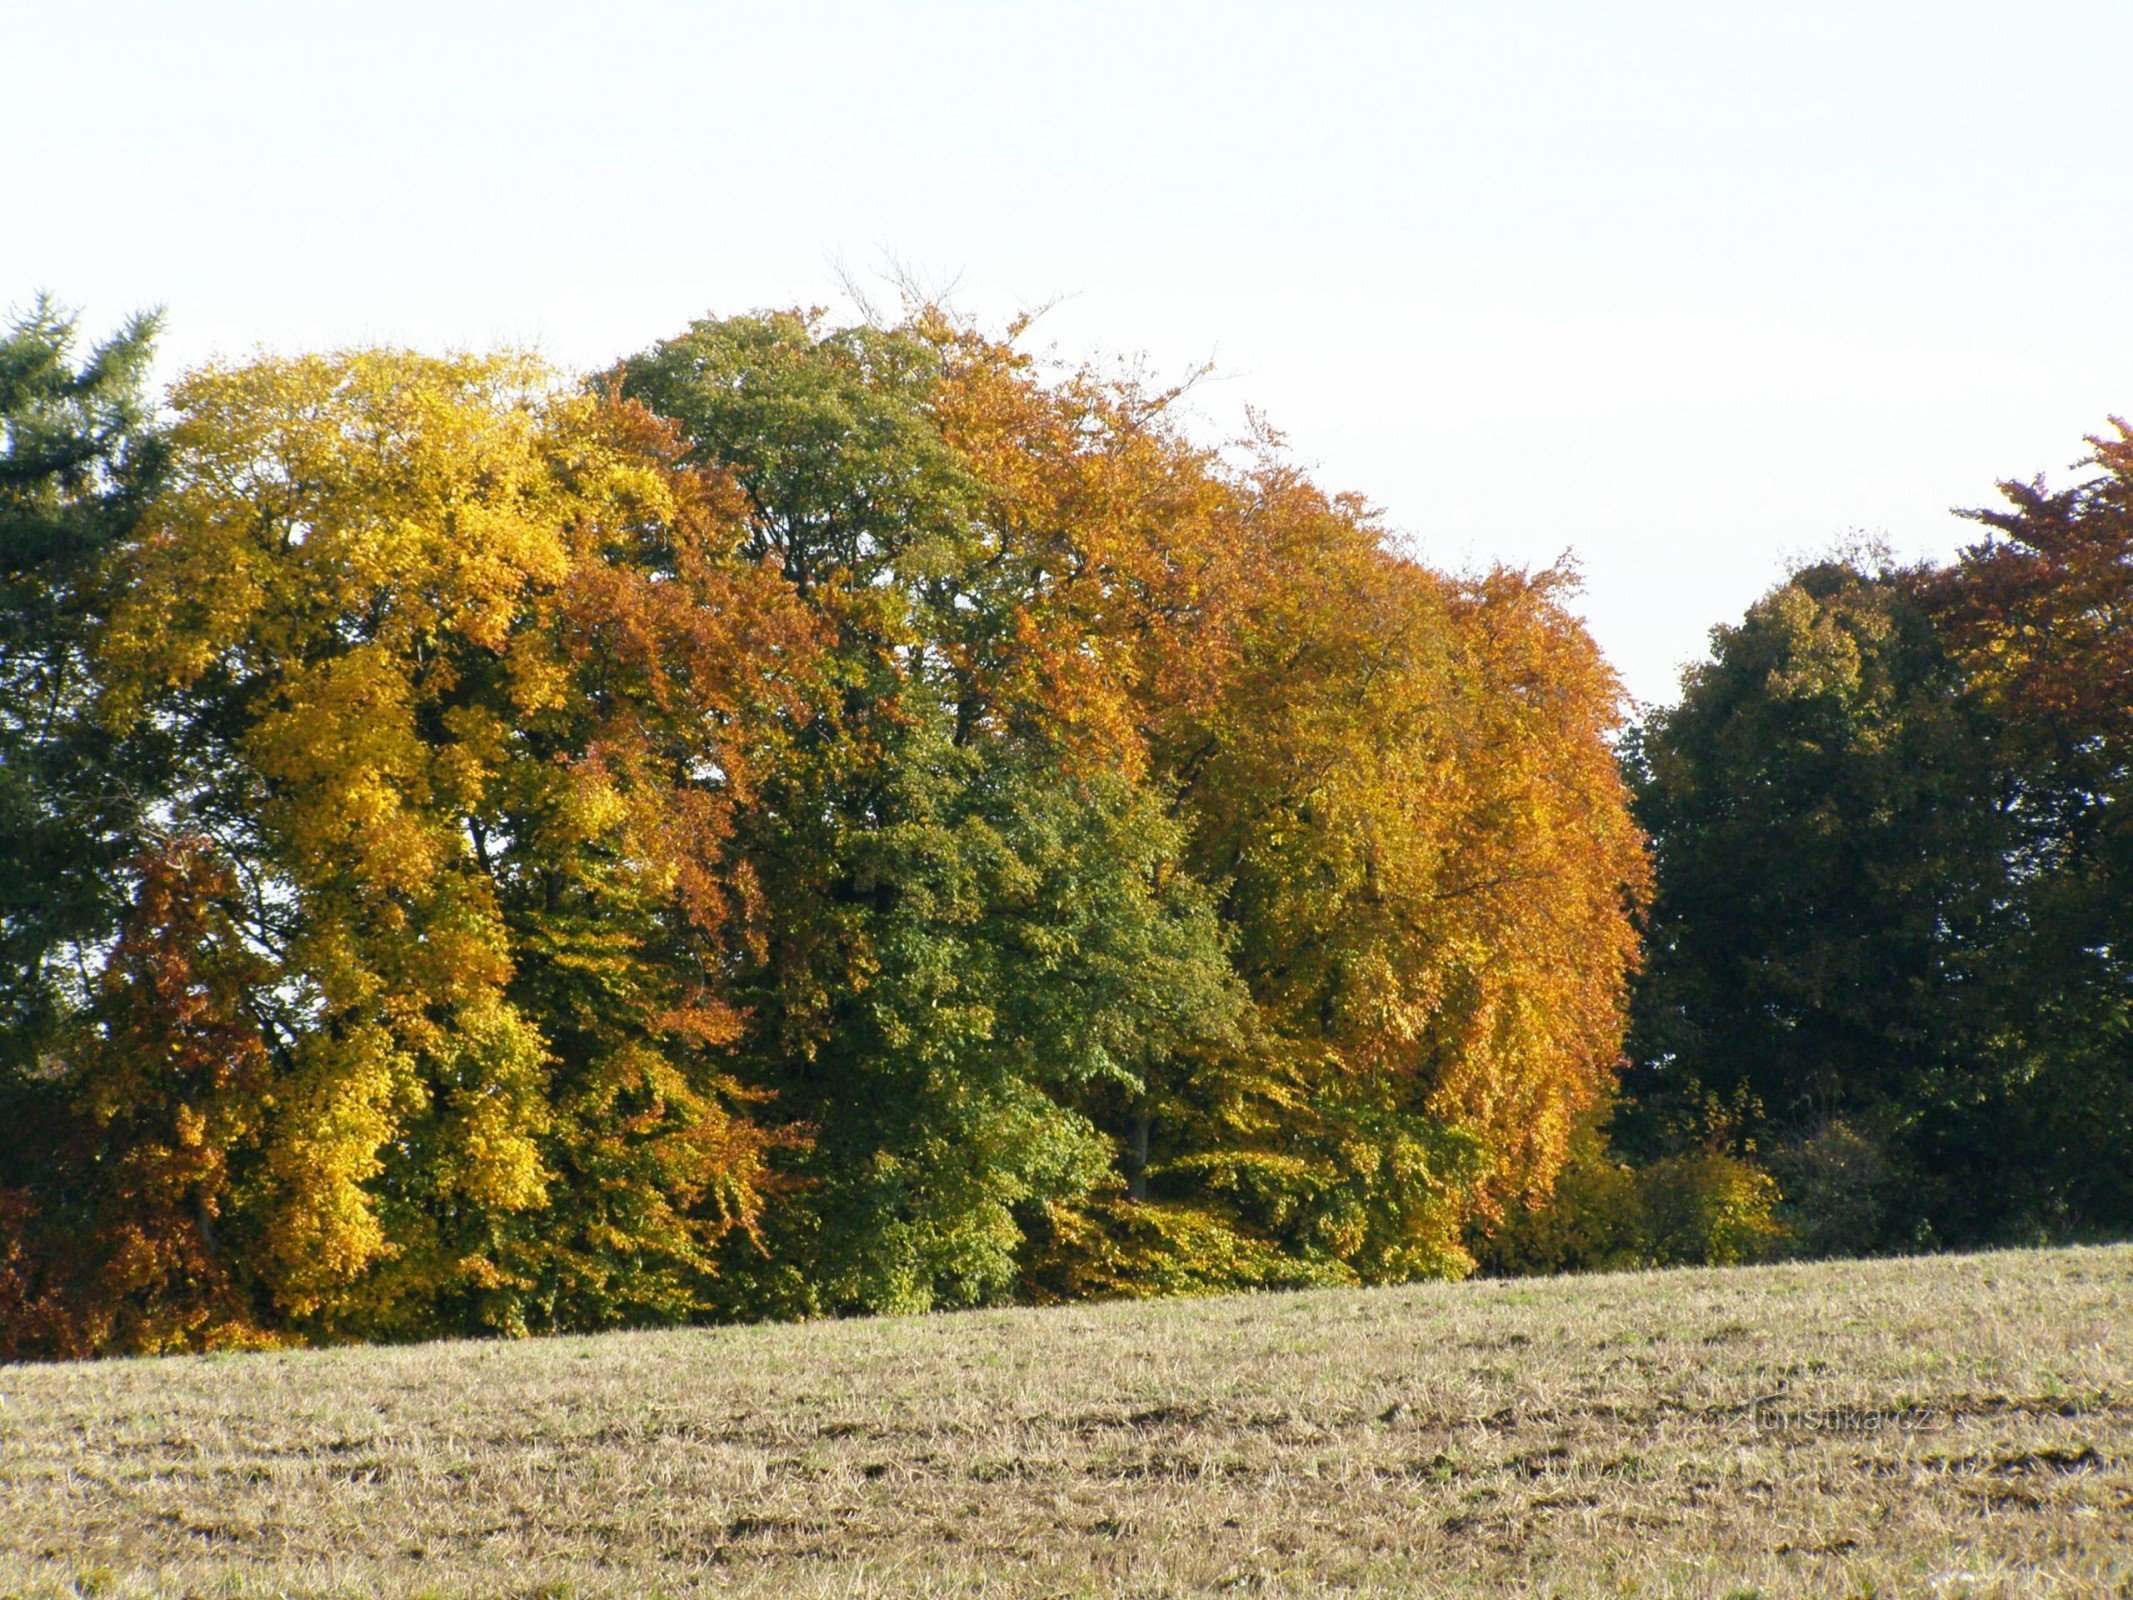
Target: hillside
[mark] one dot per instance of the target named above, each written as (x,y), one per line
(1950,1426)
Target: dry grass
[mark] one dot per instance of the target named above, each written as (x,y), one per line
(1943,1427)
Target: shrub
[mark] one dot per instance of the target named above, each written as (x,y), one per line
(1837,1182)
(1712,1209)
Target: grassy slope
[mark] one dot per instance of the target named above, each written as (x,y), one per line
(1920,1427)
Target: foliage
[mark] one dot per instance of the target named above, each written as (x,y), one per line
(1831,868)
(814,820)
(77,458)
(830,819)
(1841,1193)
(1399,787)
(1701,1207)
(969,932)
(1713,1209)
(1595,1220)
(2041,617)
(461,667)
(1889,818)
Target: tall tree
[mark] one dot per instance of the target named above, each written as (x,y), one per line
(464,671)
(1829,846)
(968,927)
(78,455)
(2040,616)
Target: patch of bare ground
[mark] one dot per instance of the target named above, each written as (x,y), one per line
(1956,1426)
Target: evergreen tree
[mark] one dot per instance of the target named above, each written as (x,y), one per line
(78,455)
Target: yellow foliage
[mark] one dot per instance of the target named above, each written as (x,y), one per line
(380,579)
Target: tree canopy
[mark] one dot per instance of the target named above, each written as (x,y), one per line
(821,819)
(814,819)
(1890,940)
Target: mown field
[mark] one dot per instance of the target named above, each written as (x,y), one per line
(1932,1427)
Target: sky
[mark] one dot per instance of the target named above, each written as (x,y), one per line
(1686,292)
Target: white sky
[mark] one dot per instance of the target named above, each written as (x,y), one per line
(1683,289)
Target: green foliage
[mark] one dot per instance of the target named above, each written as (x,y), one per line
(1889,821)
(991,952)
(77,457)
(1112,1247)
(1841,1192)
(2041,616)
(1832,865)
(971,939)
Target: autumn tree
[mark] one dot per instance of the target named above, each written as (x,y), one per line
(1404,787)
(1394,789)
(816,820)
(169,1086)
(462,670)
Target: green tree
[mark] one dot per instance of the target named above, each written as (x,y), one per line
(970,931)
(1830,841)
(78,455)
(2040,616)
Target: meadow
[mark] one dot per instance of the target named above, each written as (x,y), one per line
(1946,1426)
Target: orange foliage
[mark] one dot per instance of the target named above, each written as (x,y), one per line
(1402,783)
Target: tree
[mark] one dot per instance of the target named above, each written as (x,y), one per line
(2040,617)
(1829,844)
(970,929)
(77,458)
(169,1083)
(1397,790)
(463,669)
(1407,791)
(1393,791)
(78,455)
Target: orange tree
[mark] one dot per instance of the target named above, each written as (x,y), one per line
(1400,789)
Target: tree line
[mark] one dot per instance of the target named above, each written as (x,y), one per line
(1886,1000)
(814,819)
(820,819)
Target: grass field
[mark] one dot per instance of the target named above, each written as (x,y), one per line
(1932,1427)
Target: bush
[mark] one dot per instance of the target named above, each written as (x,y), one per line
(1712,1209)
(1593,1222)
(1704,1208)
(1837,1191)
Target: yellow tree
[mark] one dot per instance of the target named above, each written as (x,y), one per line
(388,603)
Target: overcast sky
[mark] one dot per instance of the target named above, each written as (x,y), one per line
(1684,290)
